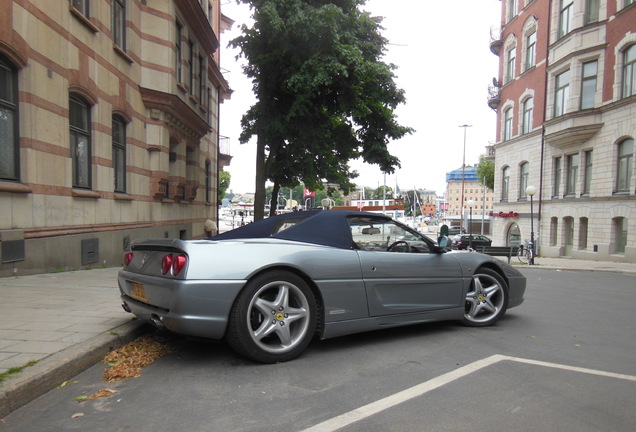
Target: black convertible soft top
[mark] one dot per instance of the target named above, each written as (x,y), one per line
(323,227)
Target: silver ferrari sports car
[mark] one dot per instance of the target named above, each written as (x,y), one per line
(269,287)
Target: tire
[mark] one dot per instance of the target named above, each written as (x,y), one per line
(273,319)
(523,255)
(486,299)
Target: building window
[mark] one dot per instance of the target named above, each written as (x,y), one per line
(202,80)
(568,230)
(583,227)
(562,93)
(119,23)
(531,50)
(620,234)
(179,53)
(573,171)
(505,184)
(191,65)
(591,11)
(511,56)
(524,172)
(80,137)
(507,130)
(587,174)
(629,71)
(511,9)
(9,142)
(119,153)
(528,107)
(208,181)
(565,17)
(81,6)
(556,176)
(554,228)
(628,2)
(588,84)
(625,162)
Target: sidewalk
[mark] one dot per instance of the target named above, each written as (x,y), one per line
(68,322)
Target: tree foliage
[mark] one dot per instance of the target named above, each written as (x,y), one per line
(224,184)
(324,96)
(486,170)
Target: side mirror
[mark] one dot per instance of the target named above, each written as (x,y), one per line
(442,242)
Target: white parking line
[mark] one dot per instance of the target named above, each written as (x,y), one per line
(390,401)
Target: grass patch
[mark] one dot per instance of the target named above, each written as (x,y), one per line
(14,371)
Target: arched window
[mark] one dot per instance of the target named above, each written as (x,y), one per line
(528,108)
(507,125)
(524,172)
(80,137)
(9,142)
(505,183)
(629,71)
(119,153)
(625,165)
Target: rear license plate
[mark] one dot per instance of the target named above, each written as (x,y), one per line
(138,292)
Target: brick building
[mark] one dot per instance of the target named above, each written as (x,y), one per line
(109,117)
(566,109)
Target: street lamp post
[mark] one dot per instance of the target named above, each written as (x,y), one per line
(471,204)
(531,190)
(461,219)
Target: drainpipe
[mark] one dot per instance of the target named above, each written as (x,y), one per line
(537,247)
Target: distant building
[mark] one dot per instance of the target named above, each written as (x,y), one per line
(566,101)
(473,189)
(109,116)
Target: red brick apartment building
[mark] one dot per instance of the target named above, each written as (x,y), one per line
(565,99)
(109,115)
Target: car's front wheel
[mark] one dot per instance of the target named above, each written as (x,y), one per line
(273,318)
(486,300)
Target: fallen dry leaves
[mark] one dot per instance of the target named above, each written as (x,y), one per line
(127,361)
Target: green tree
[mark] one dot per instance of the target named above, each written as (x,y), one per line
(379,192)
(486,172)
(224,184)
(324,97)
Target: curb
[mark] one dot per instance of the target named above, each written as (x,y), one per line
(52,371)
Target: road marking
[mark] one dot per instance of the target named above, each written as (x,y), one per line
(365,411)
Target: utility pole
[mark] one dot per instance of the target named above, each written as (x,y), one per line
(461,205)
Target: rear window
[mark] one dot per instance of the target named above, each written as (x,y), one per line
(285,224)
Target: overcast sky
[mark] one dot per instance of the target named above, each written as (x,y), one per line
(444,66)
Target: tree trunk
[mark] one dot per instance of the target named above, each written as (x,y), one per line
(274,202)
(261,177)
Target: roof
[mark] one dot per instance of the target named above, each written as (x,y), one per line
(323,227)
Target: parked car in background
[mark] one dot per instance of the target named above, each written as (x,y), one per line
(463,241)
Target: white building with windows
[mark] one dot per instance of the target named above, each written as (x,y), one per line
(109,117)
(566,109)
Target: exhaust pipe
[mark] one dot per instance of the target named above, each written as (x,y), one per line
(156,320)
(126,307)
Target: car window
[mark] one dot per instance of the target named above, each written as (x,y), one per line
(286,223)
(377,234)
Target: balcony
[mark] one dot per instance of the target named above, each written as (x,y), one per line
(496,40)
(224,151)
(573,129)
(494,95)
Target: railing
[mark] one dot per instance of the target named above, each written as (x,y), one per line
(224,145)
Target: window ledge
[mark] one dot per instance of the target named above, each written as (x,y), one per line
(121,196)
(81,193)
(83,19)
(14,187)
(182,87)
(123,54)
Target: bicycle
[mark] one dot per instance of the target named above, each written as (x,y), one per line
(526,252)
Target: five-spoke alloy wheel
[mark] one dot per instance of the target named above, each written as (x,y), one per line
(486,300)
(274,318)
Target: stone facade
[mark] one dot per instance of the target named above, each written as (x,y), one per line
(565,117)
(111,117)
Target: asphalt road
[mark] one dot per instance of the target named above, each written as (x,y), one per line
(565,360)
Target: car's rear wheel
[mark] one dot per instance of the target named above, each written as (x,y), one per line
(273,318)
(486,300)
